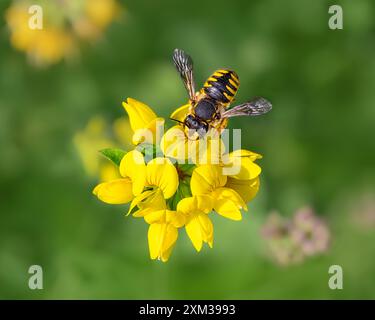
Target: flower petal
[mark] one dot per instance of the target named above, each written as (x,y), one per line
(207,229)
(133,166)
(228,203)
(154,201)
(207,178)
(140,115)
(180,113)
(200,229)
(161,239)
(202,203)
(175,144)
(174,218)
(151,133)
(117,191)
(207,150)
(163,174)
(138,199)
(247,189)
(248,169)
(158,216)
(246,153)
(193,230)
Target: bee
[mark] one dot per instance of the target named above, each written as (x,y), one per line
(210,107)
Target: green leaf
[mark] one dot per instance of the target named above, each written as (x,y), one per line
(113,154)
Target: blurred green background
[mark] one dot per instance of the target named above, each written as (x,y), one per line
(317,144)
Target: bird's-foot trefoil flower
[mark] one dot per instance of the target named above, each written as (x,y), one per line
(174,180)
(197,223)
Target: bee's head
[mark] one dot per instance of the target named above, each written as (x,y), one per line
(196,124)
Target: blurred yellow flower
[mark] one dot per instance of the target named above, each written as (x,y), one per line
(63,24)
(95,17)
(88,142)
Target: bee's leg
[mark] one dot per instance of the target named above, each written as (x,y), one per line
(220,125)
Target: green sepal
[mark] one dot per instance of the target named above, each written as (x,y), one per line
(113,154)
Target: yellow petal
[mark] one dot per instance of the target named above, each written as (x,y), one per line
(246,153)
(117,191)
(155,239)
(174,218)
(109,172)
(207,150)
(153,202)
(180,113)
(138,199)
(207,178)
(193,230)
(228,203)
(207,229)
(161,239)
(133,166)
(169,242)
(163,174)
(175,144)
(241,167)
(200,229)
(140,115)
(158,216)
(248,170)
(151,133)
(202,203)
(247,189)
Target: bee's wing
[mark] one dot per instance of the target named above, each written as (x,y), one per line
(255,107)
(184,65)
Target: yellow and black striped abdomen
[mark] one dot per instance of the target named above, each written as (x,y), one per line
(222,86)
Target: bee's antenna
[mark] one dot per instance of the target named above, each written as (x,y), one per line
(181,122)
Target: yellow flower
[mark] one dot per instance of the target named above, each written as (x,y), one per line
(121,191)
(101,12)
(206,150)
(245,181)
(122,131)
(247,189)
(87,142)
(209,180)
(163,233)
(117,191)
(133,166)
(161,181)
(198,225)
(64,22)
(143,121)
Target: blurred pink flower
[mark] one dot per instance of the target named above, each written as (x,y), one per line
(310,232)
(290,241)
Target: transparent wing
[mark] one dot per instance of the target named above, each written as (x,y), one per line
(184,65)
(255,107)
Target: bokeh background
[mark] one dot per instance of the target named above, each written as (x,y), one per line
(317,144)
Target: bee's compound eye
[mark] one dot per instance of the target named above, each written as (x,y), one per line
(195,123)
